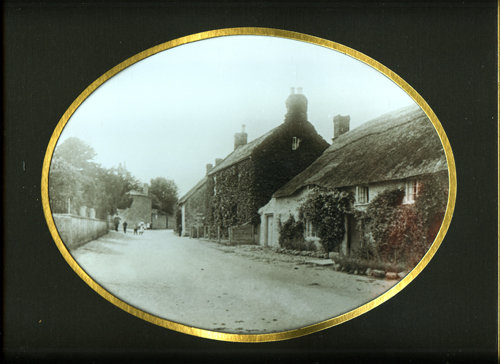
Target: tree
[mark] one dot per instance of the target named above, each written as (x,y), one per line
(64,183)
(76,152)
(113,189)
(74,175)
(326,210)
(164,193)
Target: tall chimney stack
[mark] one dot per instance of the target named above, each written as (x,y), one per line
(240,138)
(296,106)
(209,167)
(340,125)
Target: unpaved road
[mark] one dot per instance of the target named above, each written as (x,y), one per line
(244,289)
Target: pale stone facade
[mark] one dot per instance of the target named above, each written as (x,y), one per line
(280,209)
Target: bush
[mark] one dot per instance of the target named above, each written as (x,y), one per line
(403,233)
(292,234)
(361,265)
(326,209)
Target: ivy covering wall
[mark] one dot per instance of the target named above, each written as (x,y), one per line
(236,193)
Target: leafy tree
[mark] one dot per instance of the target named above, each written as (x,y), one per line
(74,175)
(65,182)
(76,152)
(326,210)
(113,189)
(165,194)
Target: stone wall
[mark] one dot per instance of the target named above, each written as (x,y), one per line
(75,230)
(159,221)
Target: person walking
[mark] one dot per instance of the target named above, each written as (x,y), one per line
(116,221)
(125,227)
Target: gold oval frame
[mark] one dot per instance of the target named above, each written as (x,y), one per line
(259,337)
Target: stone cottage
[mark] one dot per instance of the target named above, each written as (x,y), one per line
(394,150)
(231,193)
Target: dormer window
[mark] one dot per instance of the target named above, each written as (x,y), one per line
(411,190)
(362,195)
(295,143)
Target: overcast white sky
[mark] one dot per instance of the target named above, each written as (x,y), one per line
(174,112)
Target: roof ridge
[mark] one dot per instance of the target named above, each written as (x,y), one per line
(369,134)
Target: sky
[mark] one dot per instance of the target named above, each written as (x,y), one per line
(172,113)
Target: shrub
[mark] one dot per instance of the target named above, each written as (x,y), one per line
(292,234)
(403,233)
(326,209)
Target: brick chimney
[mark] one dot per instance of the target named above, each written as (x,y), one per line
(240,138)
(209,167)
(145,189)
(296,106)
(340,125)
(218,161)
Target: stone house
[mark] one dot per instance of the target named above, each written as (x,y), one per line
(395,150)
(232,192)
(140,210)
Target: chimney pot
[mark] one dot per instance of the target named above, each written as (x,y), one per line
(240,138)
(218,161)
(209,167)
(292,90)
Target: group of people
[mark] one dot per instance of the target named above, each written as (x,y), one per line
(138,228)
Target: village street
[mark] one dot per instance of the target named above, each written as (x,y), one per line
(242,289)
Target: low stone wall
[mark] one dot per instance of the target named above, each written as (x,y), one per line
(75,230)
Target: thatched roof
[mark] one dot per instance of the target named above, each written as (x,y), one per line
(192,190)
(396,145)
(241,153)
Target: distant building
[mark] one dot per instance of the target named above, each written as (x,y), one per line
(394,150)
(232,192)
(140,210)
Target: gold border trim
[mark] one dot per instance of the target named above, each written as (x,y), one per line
(498,179)
(260,337)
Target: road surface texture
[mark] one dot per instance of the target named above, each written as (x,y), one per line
(242,289)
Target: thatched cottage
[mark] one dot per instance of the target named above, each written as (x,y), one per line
(232,192)
(394,150)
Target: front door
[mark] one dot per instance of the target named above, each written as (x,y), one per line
(269,225)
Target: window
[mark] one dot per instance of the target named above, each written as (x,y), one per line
(362,195)
(295,143)
(411,190)
(311,231)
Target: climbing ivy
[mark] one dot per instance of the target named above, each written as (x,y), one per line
(240,190)
(404,232)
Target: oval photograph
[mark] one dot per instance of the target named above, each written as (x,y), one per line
(248,184)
